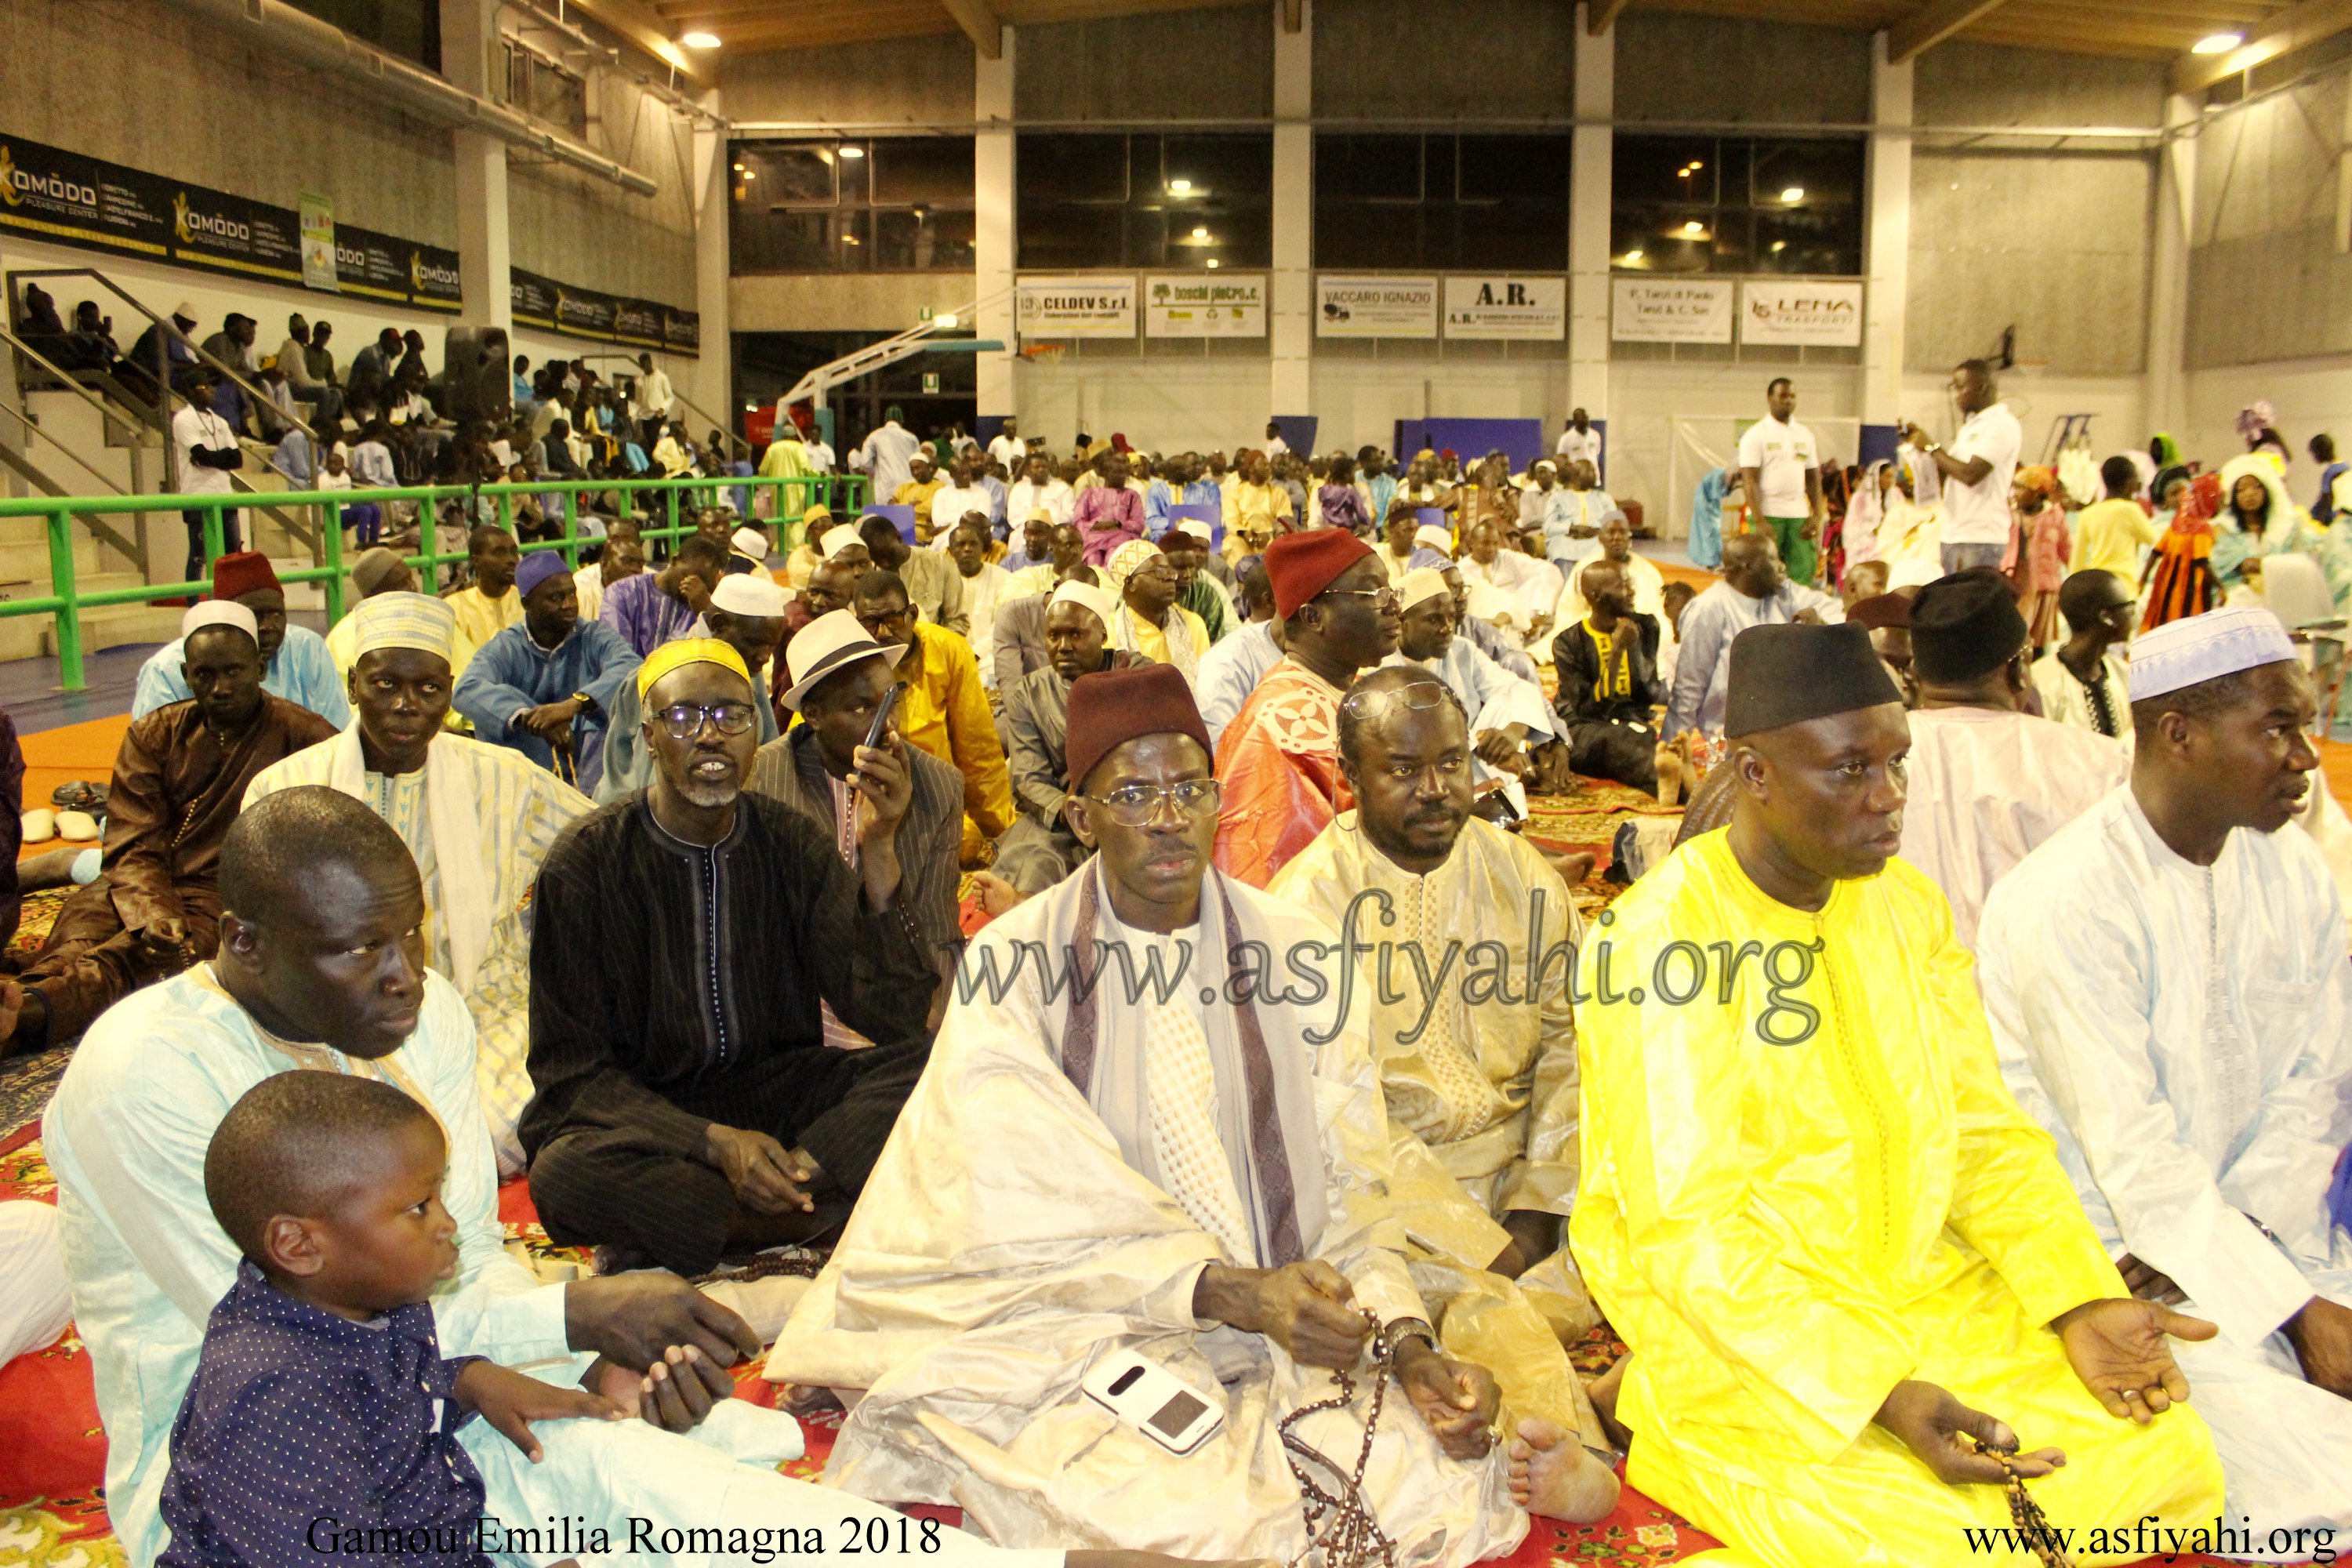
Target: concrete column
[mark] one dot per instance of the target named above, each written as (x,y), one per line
(2168,282)
(1886,210)
(470,35)
(1591,180)
(709,380)
(994,197)
(1290,293)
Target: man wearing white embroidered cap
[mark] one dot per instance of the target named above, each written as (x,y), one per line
(746,613)
(2166,982)
(1506,714)
(478,819)
(178,779)
(1039,850)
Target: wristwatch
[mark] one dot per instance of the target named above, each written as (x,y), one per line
(587,703)
(1396,1330)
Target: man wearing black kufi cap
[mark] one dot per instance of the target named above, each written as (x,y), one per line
(1988,780)
(1840,1252)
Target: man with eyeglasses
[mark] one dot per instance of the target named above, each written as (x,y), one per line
(478,819)
(945,711)
(838,678)
(1482,1098)
(1279,759)
(746,613)
(547,685)
(1191,1169)
(686,940)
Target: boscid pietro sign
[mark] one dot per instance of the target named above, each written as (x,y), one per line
(1205,305)
(1375,307)
(1806,314)
(1669,310)
(1074,307)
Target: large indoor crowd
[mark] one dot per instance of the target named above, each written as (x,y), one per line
(1091,911)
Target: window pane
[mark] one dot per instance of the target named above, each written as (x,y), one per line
(1352,235)
(921,240)
(930,169)
(1821,173)
(1664,169)
(1368,168)
(1058,169)
(798,176)
(1502,168)
(1219,168)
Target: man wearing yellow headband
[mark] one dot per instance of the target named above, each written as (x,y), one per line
(476,818)
(687,937)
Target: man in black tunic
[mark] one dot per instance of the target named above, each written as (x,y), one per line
(686,1104)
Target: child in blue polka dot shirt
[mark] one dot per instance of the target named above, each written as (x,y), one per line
(322,1417)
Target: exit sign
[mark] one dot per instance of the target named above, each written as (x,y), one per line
(930,382)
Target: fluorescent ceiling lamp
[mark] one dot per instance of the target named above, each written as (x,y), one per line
(1632,256)
(852,152)
(700,40)
(1212,261)
(1793,195)
(1178,187)
(2217,43)
(1779,246)
(1199,234)
(945,321)
(1694,228)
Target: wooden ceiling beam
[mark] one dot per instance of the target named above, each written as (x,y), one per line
(980,25)
(646,29)
(1600,16)
(1930,25)
(2291,29)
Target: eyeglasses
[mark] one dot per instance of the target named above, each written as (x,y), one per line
(1419,697)
(1133,805)
(880,622)
(1379,596)
(684,721)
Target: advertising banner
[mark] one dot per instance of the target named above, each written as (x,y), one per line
(1205,305)
(1669,310)
(1375,307)
(1524,309)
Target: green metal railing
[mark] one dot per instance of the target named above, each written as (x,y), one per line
(675,500)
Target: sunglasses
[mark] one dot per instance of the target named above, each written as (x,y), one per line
(684,721)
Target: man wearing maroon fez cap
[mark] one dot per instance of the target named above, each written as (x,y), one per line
(1279,760)
(1192,1151)
(295,663)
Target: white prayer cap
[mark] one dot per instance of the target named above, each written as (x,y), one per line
(840,538)
(1098,600)
(751,594)
(2198,649)
(1421,584)
(219,613)
(749,541)
(1197,527)
(1433,536)
(408,620)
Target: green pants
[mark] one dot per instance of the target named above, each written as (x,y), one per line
(1798,553)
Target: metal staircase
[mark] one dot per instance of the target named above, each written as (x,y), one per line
(922,337)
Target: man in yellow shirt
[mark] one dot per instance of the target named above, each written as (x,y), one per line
(917,492)
(945,711)
(2110,534)
(1846,1262)
(491,605)
(1149,621)
(1256,508)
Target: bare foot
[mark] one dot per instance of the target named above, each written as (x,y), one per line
(803,1399)
(1552,1475)
(1670,775)
(1603,1391)
(1573,868)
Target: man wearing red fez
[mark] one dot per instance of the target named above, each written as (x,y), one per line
(295,663)
(1193,1170)
(1279,762)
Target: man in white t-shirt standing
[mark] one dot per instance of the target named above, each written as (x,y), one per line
(208,451)
(1978,468)
(1579,442)
(1782,467)
(1007,446)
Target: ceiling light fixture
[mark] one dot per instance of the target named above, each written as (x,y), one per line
(1178,187)
(1693,228)
(1199,234)
(699,40)
(852,152)
(1632,256)
(1793,195)
(2217,43)
(1212,261)
(1779,246)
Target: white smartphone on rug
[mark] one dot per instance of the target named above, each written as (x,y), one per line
(1154,1400)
